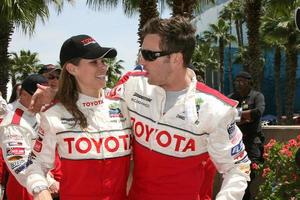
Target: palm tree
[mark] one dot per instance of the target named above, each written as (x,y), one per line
(274,40)
(253,62)
(23,14)
(114,71)
(234,11)
(21,65)
(187,8)
(219,33)
(280,28)
(277,64)
(204,57)
(147,9)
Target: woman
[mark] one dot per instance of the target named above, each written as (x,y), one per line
(90,131)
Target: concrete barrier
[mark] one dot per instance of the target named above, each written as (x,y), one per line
(280,133)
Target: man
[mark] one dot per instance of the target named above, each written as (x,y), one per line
(51,72)
(178,123)
(252,106)
(18,131)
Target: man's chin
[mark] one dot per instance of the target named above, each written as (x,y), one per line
(152,82)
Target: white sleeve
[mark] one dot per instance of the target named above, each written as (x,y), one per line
(226,148)
(16,148)
(124,84)
(43,154)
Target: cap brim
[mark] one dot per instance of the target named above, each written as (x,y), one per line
(53,70)
(43,71)
(297,18)
(101,52)
(109,53)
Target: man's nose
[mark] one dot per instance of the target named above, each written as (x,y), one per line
(142,61)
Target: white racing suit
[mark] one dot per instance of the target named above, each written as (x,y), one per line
(18,133)
(170,148)
(94,161)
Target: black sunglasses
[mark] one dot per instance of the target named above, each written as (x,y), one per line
(149,55)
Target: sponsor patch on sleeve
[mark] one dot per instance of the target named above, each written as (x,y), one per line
(17,163)
(15,151)
(243,160)
(231,130)
(38,146)
(41,131)
(237,148)
(23,166)
(13,144)
(245,168)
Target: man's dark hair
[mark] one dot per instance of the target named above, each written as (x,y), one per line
(177,35)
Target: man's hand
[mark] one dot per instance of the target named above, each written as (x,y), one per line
(54,189)
(246,116)
(43,95)
(43,195)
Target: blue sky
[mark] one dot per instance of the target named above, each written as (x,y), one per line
(109,27)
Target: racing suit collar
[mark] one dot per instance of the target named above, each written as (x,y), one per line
(88,101)
(24,109)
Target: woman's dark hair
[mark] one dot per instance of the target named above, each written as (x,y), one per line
(67,93)
(14,93)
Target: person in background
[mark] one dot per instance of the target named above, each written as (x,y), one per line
(252,106)
(4,173)
(55,175)
(18,131)
(3,105)
(51,72)
(91,132)
(179,124)
(138,67)
(3,170)
(15,93)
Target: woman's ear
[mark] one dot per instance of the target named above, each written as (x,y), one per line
(71,68)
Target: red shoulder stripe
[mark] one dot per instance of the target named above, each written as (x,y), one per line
(124,78)
(204,88)
(113,93)
(17,116)
(1,119)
